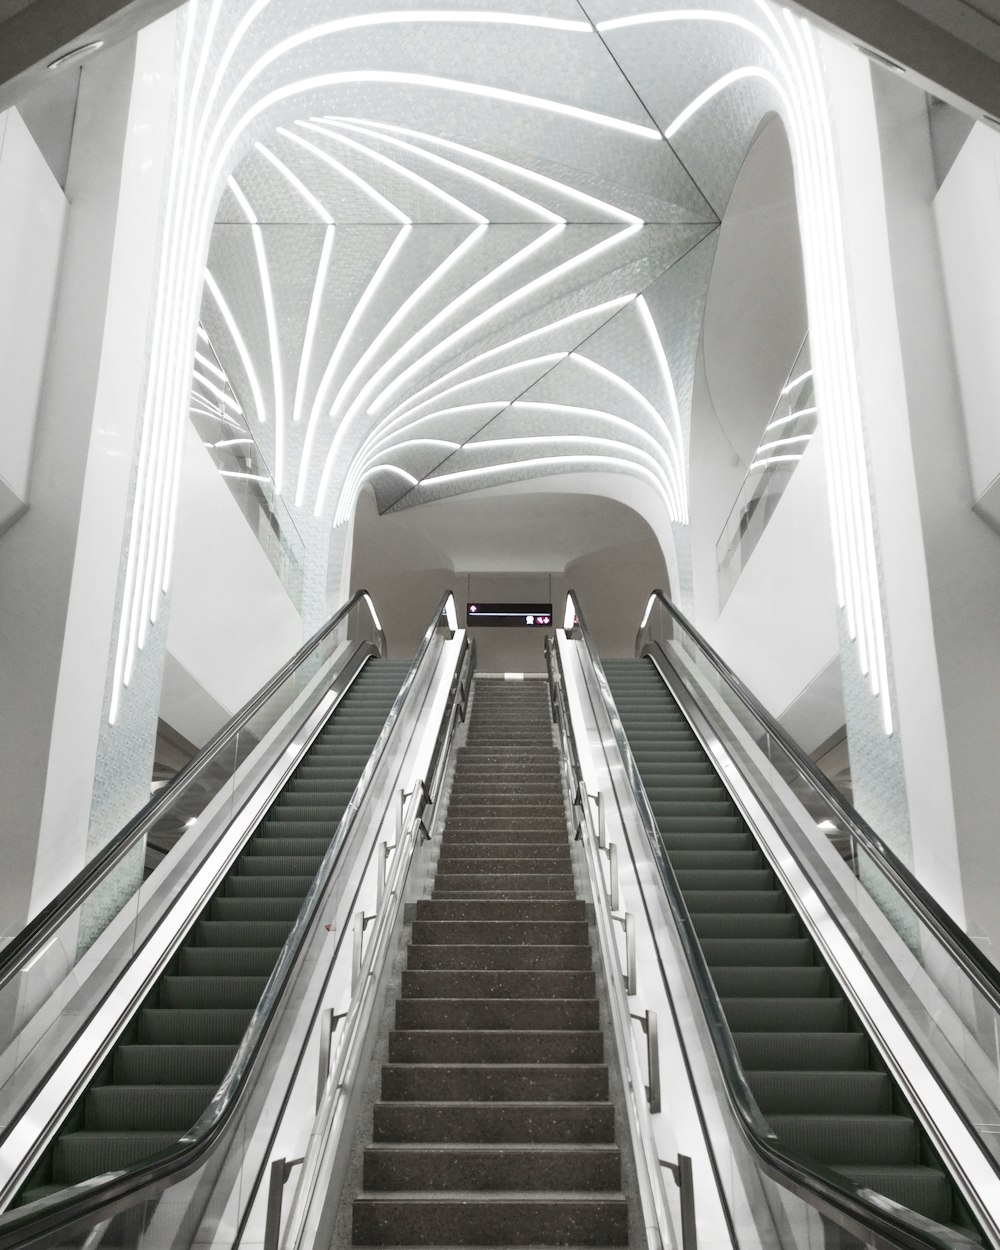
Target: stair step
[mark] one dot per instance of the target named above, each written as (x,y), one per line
(496,1046)
(432,909)
(480,1122)
(490,1220)
(483,1082)
(481,957)
(499,984)
(500,1167)
(497,1013)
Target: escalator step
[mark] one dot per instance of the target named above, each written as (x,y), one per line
(195,991)
(281,908)
(139,1108)
(172,1065)
(747,982)
(244,933)
(803,1015)
(864,1140)
(762,952)
(257,886)
(922,1189)
(227,961)
(197,1025)
(736,902)
(802,1052)
(754,924)
(78,1156)
(821,1093)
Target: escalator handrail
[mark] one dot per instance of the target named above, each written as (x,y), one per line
(977,967)
(92,1197)
(38,930)
(802,1175)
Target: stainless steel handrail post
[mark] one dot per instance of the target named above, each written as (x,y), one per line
(361,922)
(627,921)
(281,1169)
(327,1025)
(683,1173)
(651,1028)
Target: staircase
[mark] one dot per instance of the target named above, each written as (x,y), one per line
(494,1127)
(164,1071)
(812,1070)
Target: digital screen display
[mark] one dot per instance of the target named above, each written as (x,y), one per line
(517,615)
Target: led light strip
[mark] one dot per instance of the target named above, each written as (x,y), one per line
(387,162)
(496,162)
(463,171)
(271,321)
(339,167)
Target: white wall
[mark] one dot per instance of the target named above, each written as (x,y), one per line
(967,213)
(232,625)
(778,630)
(32,221)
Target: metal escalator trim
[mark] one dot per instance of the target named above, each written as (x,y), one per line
(37,932)
(977,967)
(24,1226)
(852,1206)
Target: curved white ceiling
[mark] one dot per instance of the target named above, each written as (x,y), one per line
(460,270)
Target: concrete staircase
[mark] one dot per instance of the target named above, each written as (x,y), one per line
(494,1126)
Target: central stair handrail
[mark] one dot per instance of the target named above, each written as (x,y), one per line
(821,1187)
(38,931)
(94,1201)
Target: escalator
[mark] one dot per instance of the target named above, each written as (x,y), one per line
(808,1061)
(149,1068)
(160,1077)
(836,1031)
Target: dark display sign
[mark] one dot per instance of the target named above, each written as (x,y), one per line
(509,614)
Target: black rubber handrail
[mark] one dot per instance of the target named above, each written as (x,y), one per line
(813,1182)
(972,960)
(102,1198)
(37,931)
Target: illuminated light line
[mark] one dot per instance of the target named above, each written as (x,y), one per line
(390,468)
(271,320)
(792,416)
(660,356)
(241,347)
(379,158)
(541,440)
(423,333)
(762,464)
(312,322)
(530,288)
(538,362)
(203,335)
(470,293)
(596,310)
(616,380)
(785,442)
(339,167)
(348,412)
(333,364)
(496,162)
(154,419)
(716,88)
(625,466)
(296,183)
(371,448)
(534,362)
(598,414)
(244,477)
(207,364)
(220,394)
(419,442)
(231,442)
(464,171)
(803,377)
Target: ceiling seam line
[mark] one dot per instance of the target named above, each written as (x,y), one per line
(649,113)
